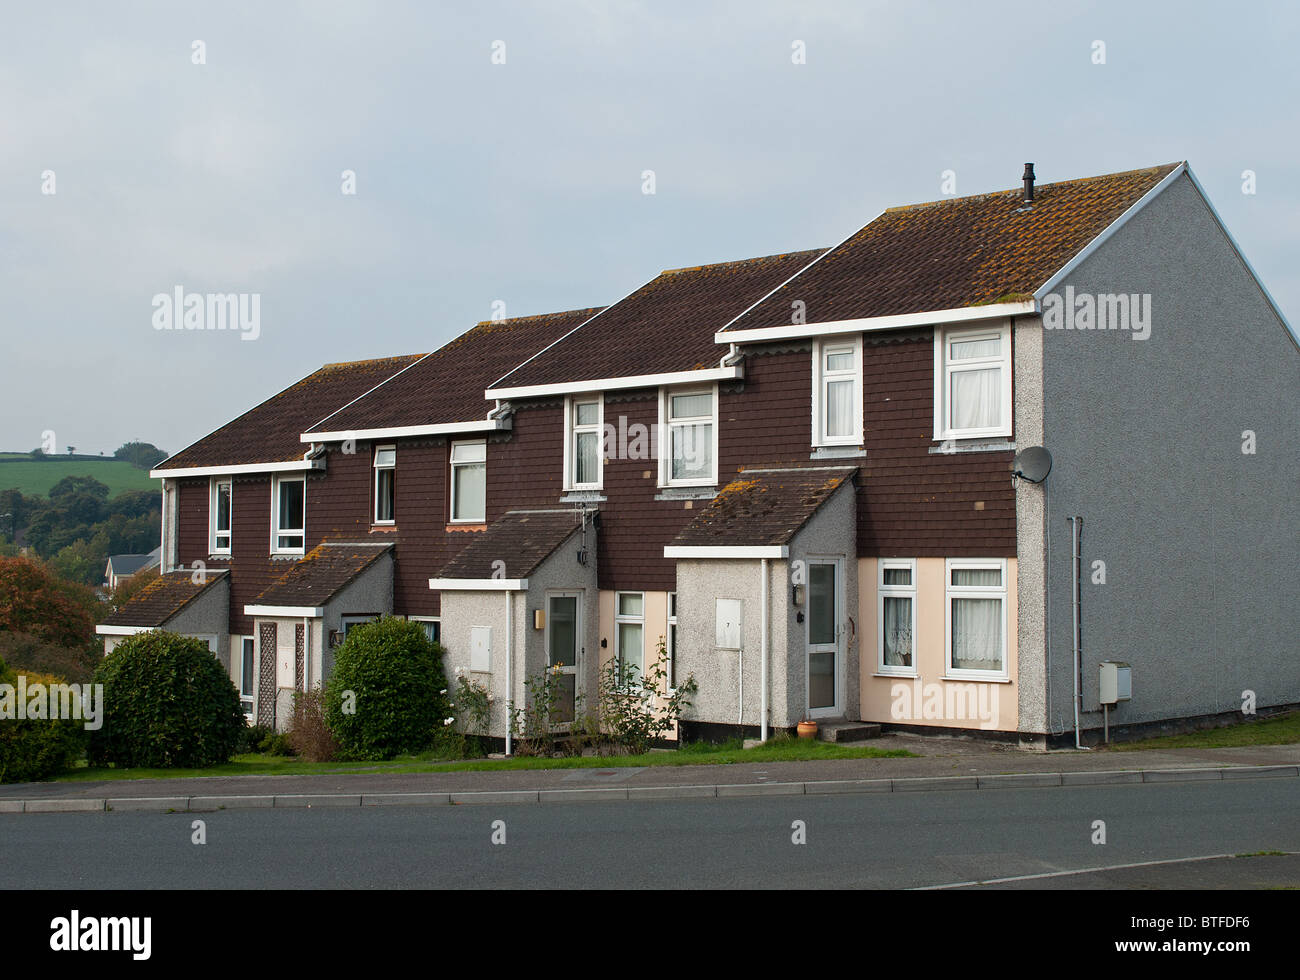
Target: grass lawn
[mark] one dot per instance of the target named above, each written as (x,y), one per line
(698,754)
(35,478)
(1282,730)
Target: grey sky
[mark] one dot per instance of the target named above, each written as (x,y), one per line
(522,182)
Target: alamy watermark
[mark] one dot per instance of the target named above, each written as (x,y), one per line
(179,310)
(976,704)
(53,702)
(1098,311)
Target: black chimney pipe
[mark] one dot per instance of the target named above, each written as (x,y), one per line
(1028,178)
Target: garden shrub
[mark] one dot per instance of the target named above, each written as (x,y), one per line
(387,691)
(309,735)
(32,749)
(167,703)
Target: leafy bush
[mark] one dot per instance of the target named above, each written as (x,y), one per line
(632,712)
(276,743)
(167,702)
(37,748)
(386,694)
(534,726)
(25,650)
(252,737)
(308,734)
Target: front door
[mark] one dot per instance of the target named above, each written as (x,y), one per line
(825,604)
(563,648)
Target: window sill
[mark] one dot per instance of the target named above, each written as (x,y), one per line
(838,452)
(466,526)
(593,496)
(386,526)
(687,493)
(950,447)
(976,680)
(898,677)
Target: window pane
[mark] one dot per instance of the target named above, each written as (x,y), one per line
(897,628)
(821,680)
(291,505)
(839,408)
(431,630)
(630,603)
(223,507)
(471,492)
(468,452)
(988,347)
(586,461)
(821,603)
(564,631)
(692,406)
(587,413)
(693,451)
(384,495)
(898,576)
(246,668)
(977,634)
(839,361)
(977,576)
(630,650)
(385,457)
(976,399)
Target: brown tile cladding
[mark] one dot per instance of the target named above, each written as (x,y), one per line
(958,252)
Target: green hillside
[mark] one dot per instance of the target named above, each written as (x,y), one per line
(33,478)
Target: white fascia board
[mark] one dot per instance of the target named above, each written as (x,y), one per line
(400,431)
(123,630)
(479,584)
(1107,232)
(294,465)
(898,321)
(285,612)
(724,551)
(613,384)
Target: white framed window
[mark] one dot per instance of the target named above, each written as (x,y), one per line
(248,676)
(688,437)
(469,482)
(432,626)
(288,514)
(629,634)
(385,484)
(972,382)
(896,614)
(837,391)
(976,618)
(220,509)
(584,456)
(670,642)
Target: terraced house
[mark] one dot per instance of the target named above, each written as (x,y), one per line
(812,480)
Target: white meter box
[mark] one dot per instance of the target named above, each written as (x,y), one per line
(1116,682)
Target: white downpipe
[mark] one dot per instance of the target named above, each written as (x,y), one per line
(762,644)
(1075,524)
(306,655)
(740,701)
(510,691)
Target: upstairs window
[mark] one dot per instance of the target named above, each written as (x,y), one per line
(385,484)
(288,514)
(972,383)
(469,482)
(583,457)
(837,392)
(220,510)
(688,437)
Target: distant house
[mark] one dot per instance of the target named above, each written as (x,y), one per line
(122,567)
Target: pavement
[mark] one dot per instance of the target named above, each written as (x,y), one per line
(942,763)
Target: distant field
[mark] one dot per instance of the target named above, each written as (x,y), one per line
(20,472)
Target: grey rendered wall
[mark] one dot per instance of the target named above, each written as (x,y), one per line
(208,614)
(1200,541)
(562,573)
(1031,529)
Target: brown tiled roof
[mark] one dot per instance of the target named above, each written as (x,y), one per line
(270,432)
(665,326)
(315,577)
(765,507)
(161,599)
(447,385)
(955,253)
(523,539)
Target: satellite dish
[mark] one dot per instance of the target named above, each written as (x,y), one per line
(1032,464)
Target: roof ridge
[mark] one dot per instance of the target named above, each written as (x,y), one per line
(1039,188)
(775,256)
(534,316)
(334,365)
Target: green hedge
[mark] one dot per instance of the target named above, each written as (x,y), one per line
(32,749)
(398,691)
(167,703)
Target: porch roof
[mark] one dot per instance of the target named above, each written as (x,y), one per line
(162,599)
(521,539)
(316,577)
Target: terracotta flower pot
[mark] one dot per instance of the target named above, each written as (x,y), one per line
(807,729)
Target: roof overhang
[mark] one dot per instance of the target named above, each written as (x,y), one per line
(402,431)
(479,584)
(292,466)
(285,612)
(727,551)
(614,384)
(898,321)
(123,630)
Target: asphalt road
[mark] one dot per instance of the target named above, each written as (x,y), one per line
(876,840)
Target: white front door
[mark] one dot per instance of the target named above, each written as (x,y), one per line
(825,658)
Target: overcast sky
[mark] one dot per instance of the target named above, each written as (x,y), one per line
(522,182)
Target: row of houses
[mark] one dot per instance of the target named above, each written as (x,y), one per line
(803,480)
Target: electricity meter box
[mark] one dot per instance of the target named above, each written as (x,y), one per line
(1116,682)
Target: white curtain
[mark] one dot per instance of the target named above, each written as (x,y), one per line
(898,631)
(977,632)
(693,451)
(976,398)
(471,492)
(587,445)
(839,408)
